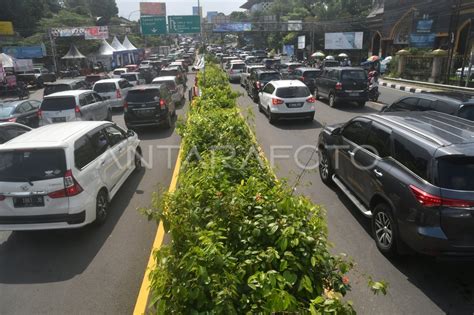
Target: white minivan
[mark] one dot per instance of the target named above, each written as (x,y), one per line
(114,90)
(64,175)
(72,106)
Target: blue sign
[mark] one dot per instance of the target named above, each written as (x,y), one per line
(424,26)
(289,50)
(25,52)
(232,27)
(422,40)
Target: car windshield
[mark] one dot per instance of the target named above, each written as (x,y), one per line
(456,172)
(54,88)
(148,95)
(32,165)
(6,110)
(353,75)
(270,76)
(293,92)
(58,103)
(104,87)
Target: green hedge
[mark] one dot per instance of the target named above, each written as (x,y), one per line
(241,241)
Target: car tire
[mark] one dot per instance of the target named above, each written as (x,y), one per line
(332,100)
(101,207)
(325,168)
(316,94)
(385,230)
(138,161)
(361,104)
(271,117)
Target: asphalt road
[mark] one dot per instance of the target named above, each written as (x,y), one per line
(417,284)
(91,270)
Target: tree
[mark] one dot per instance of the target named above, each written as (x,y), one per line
(239,16)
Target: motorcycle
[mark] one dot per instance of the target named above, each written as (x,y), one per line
(374,93)
(22,91)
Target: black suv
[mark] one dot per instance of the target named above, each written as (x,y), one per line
(307,76)
(343,84)
(258,79)
(412,173)
(452,103)
(149,106)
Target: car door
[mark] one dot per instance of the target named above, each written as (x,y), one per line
(118,152)
(105,163)
(20,113)
(320,82)
(371,165)
(266,95)
(89,110)
(102,107)
(354,134)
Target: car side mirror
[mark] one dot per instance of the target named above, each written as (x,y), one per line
(130,133)
(384,108)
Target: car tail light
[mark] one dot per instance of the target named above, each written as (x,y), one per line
(428,200)
(162,104)
(338,86)
(77,110)
(39,113)
(2,197)
(71,187)
(302,78)
(276,101)
(118,94)
(12,119)
(311,100)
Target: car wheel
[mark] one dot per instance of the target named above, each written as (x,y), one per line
(102,207)
(361,104)
(385,231)
(138,161)
(271,116)
(325,168)
(332,100)
(316,94)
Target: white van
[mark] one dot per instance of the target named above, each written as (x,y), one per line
(114,90)
(64,175)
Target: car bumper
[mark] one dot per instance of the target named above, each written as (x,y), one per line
(433,241)
(117,103)
(289,116)
(345,97)
(146,123)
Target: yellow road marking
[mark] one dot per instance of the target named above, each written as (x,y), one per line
(142,299)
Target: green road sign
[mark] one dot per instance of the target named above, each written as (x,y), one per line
(184,24)
(153,25)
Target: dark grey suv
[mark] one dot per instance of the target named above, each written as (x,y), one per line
(412,173)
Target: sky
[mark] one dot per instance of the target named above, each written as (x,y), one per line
(180,7)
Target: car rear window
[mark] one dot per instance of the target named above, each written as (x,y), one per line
(293,92)
(238,66)
(353,75)
(54,88)
(269,76)
(6,110)
(58,103)
(32,165)
(148,95)
(456,172)
(311,74)
(170,84)
(104,87)
(119,72)
(129,77)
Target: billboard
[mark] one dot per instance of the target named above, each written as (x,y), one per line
(295,26)
(25,52)
(345,40)
(94,32)
(153,8)
(97,32)
(232,27)
(301,42)
(6,28)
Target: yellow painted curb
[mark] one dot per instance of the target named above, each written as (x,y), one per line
(142,299)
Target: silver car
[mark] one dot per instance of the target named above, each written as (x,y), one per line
(114,90)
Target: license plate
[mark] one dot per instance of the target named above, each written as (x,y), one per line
(294,105)
(59,119)
(28,202)
(144,112)
(354,94)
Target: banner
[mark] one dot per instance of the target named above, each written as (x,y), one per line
(24,52)
(295,26)
(97,32)
(92,32)
(6,28)
(345,41)
(422,40)
(301,42)
(232,27)
(23,65)
(153,8)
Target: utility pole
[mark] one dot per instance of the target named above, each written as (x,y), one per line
(202,43)
(53,51)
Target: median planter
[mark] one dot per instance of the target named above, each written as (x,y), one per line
(241,241)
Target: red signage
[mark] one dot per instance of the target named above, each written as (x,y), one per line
(153,8)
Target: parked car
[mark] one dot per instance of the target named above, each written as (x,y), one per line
(175,88)
(149,105)
(10,130)
(286,99)
(286,69)
(234,71)
(93,78)
(65,85)
(23,112)
(73,106)
(118,72)
(64,176)
(307,76)
(113,89)
(451,103)
(244,76)
(342,84)
(411,173)
(134,78)
(37,77)
(258,79)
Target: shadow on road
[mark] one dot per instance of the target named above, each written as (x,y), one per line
(351,108)
(58,255)
(297,125)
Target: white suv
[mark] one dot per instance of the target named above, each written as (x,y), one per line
(287,99)
(114,90)
(64,175)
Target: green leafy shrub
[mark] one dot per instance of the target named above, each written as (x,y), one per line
(242,243)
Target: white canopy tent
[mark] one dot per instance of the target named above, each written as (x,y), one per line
(128,44)
(104,55)
(117,45)
(7,61)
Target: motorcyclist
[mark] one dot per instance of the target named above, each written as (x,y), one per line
(373,85)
